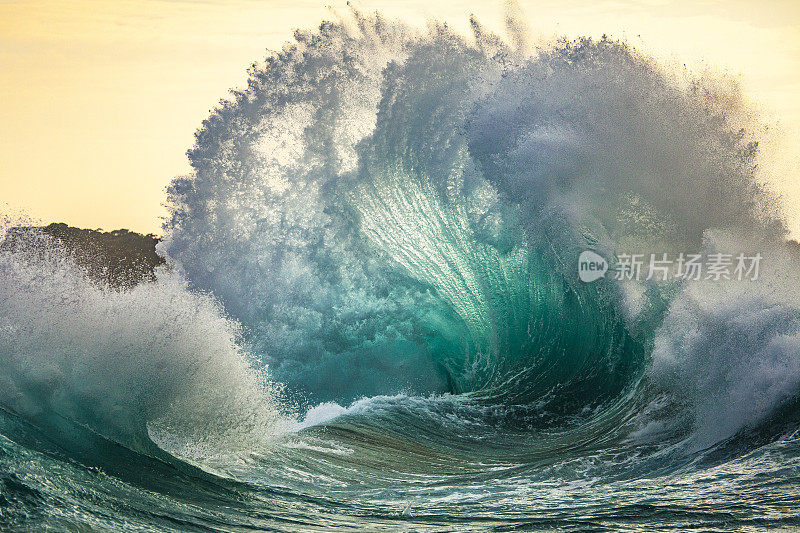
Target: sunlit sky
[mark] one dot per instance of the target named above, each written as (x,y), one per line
(99,99)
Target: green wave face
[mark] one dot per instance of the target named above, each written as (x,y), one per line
(508,318)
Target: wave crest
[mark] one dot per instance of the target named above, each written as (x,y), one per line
(386,210)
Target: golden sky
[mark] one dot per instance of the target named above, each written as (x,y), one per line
(99,99)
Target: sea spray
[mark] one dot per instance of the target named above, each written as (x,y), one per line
(118,361)
(392,211)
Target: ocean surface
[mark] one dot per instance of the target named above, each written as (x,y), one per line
(372,316)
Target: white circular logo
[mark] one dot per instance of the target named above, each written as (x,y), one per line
(591,266)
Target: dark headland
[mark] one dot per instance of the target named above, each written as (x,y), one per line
(119,258)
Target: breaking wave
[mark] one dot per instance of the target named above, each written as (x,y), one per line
(373,290)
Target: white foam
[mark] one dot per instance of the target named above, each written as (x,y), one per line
(120,361)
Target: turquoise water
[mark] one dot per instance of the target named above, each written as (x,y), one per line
(372,318)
